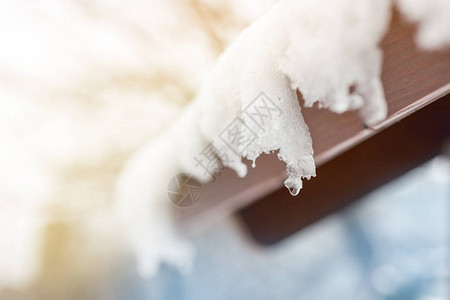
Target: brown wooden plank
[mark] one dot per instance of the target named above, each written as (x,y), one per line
(411,78)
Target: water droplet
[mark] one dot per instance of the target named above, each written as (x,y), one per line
(293,190)
(293,186)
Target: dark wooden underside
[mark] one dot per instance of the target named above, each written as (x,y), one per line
(352,174)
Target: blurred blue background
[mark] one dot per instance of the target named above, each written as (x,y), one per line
(393,244)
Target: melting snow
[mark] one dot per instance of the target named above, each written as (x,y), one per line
(328,50)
